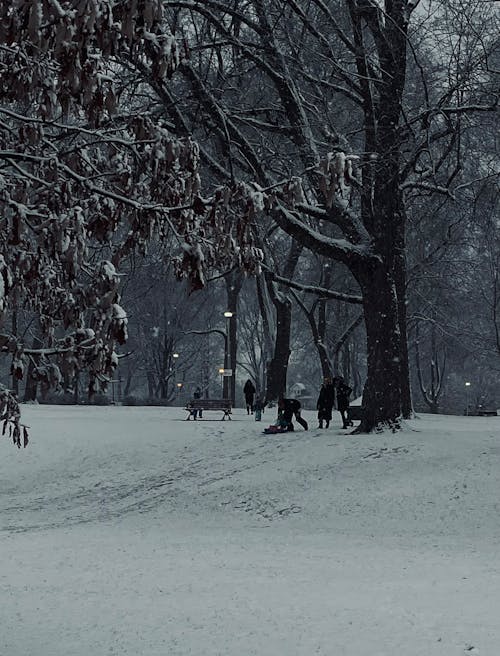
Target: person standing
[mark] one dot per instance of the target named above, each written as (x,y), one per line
(197,395)
(326,399)
(249,392)
(290,408)
(343,393)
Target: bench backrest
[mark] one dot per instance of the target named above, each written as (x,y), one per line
(209,404)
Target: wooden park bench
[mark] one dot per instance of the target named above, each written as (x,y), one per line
(487,412)
(195,405)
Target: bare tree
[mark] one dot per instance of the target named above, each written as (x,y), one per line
(320,92)
(431,391)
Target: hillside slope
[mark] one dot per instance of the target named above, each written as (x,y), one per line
(132,531)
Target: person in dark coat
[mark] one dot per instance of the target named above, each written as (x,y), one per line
(197,395)
(290,408)
(326,399)
(343,393)
(249,392)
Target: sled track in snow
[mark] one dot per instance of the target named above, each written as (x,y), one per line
(195,485)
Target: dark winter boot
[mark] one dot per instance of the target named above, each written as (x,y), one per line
(327,425)
(321,425)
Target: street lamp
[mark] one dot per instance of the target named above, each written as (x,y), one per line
(228,364)
(174,371)
(467,385)
(221,371)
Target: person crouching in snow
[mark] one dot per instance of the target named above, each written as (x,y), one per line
(290,408)
(280,425)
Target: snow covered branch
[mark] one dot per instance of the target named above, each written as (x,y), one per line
(339,249)
(320,292)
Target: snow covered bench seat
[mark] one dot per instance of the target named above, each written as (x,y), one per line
(197,406)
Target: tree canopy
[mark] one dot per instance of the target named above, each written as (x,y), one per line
(211,124)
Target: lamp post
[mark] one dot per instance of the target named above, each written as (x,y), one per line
(467,385)
(228,364)
(222,379)
(175,357)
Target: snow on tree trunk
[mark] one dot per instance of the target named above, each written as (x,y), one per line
(382,397)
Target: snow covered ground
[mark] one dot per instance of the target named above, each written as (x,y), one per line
(130,532)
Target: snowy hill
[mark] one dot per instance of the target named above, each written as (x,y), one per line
(129,531)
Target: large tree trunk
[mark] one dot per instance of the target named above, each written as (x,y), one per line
(400,279)
(267,346)
(320,337)
(277,367)
(382,398)
(326,369)
(387,395)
